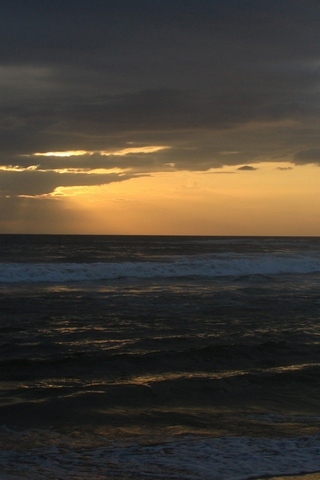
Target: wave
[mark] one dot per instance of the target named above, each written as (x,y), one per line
(190,457)
(269,359)
(184,266)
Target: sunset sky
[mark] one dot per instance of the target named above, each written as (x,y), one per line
(192,117)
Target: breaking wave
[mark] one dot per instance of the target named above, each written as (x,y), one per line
(185,266)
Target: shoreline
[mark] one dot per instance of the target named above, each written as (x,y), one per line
(299,476)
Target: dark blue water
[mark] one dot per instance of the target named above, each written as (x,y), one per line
(109,344)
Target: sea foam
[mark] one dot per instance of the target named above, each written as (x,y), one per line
(183,266)
(230,458)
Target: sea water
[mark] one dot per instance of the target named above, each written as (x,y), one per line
(156,357)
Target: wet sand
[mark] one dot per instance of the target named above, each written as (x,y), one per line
(308,476)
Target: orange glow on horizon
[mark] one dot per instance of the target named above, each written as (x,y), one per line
(261,202)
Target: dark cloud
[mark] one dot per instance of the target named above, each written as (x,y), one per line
(247,168)
(308,156)
(33,183)
(194,76)
(55,31)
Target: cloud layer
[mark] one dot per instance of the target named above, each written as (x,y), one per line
(217,83)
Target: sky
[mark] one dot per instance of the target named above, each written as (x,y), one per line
(184,117)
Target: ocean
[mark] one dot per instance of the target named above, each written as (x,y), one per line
(159,357)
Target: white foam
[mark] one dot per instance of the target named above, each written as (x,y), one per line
(196,265)
(230,458)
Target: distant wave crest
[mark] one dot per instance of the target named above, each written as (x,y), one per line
(185,266)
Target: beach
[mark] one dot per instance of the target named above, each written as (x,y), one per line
(308,476)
